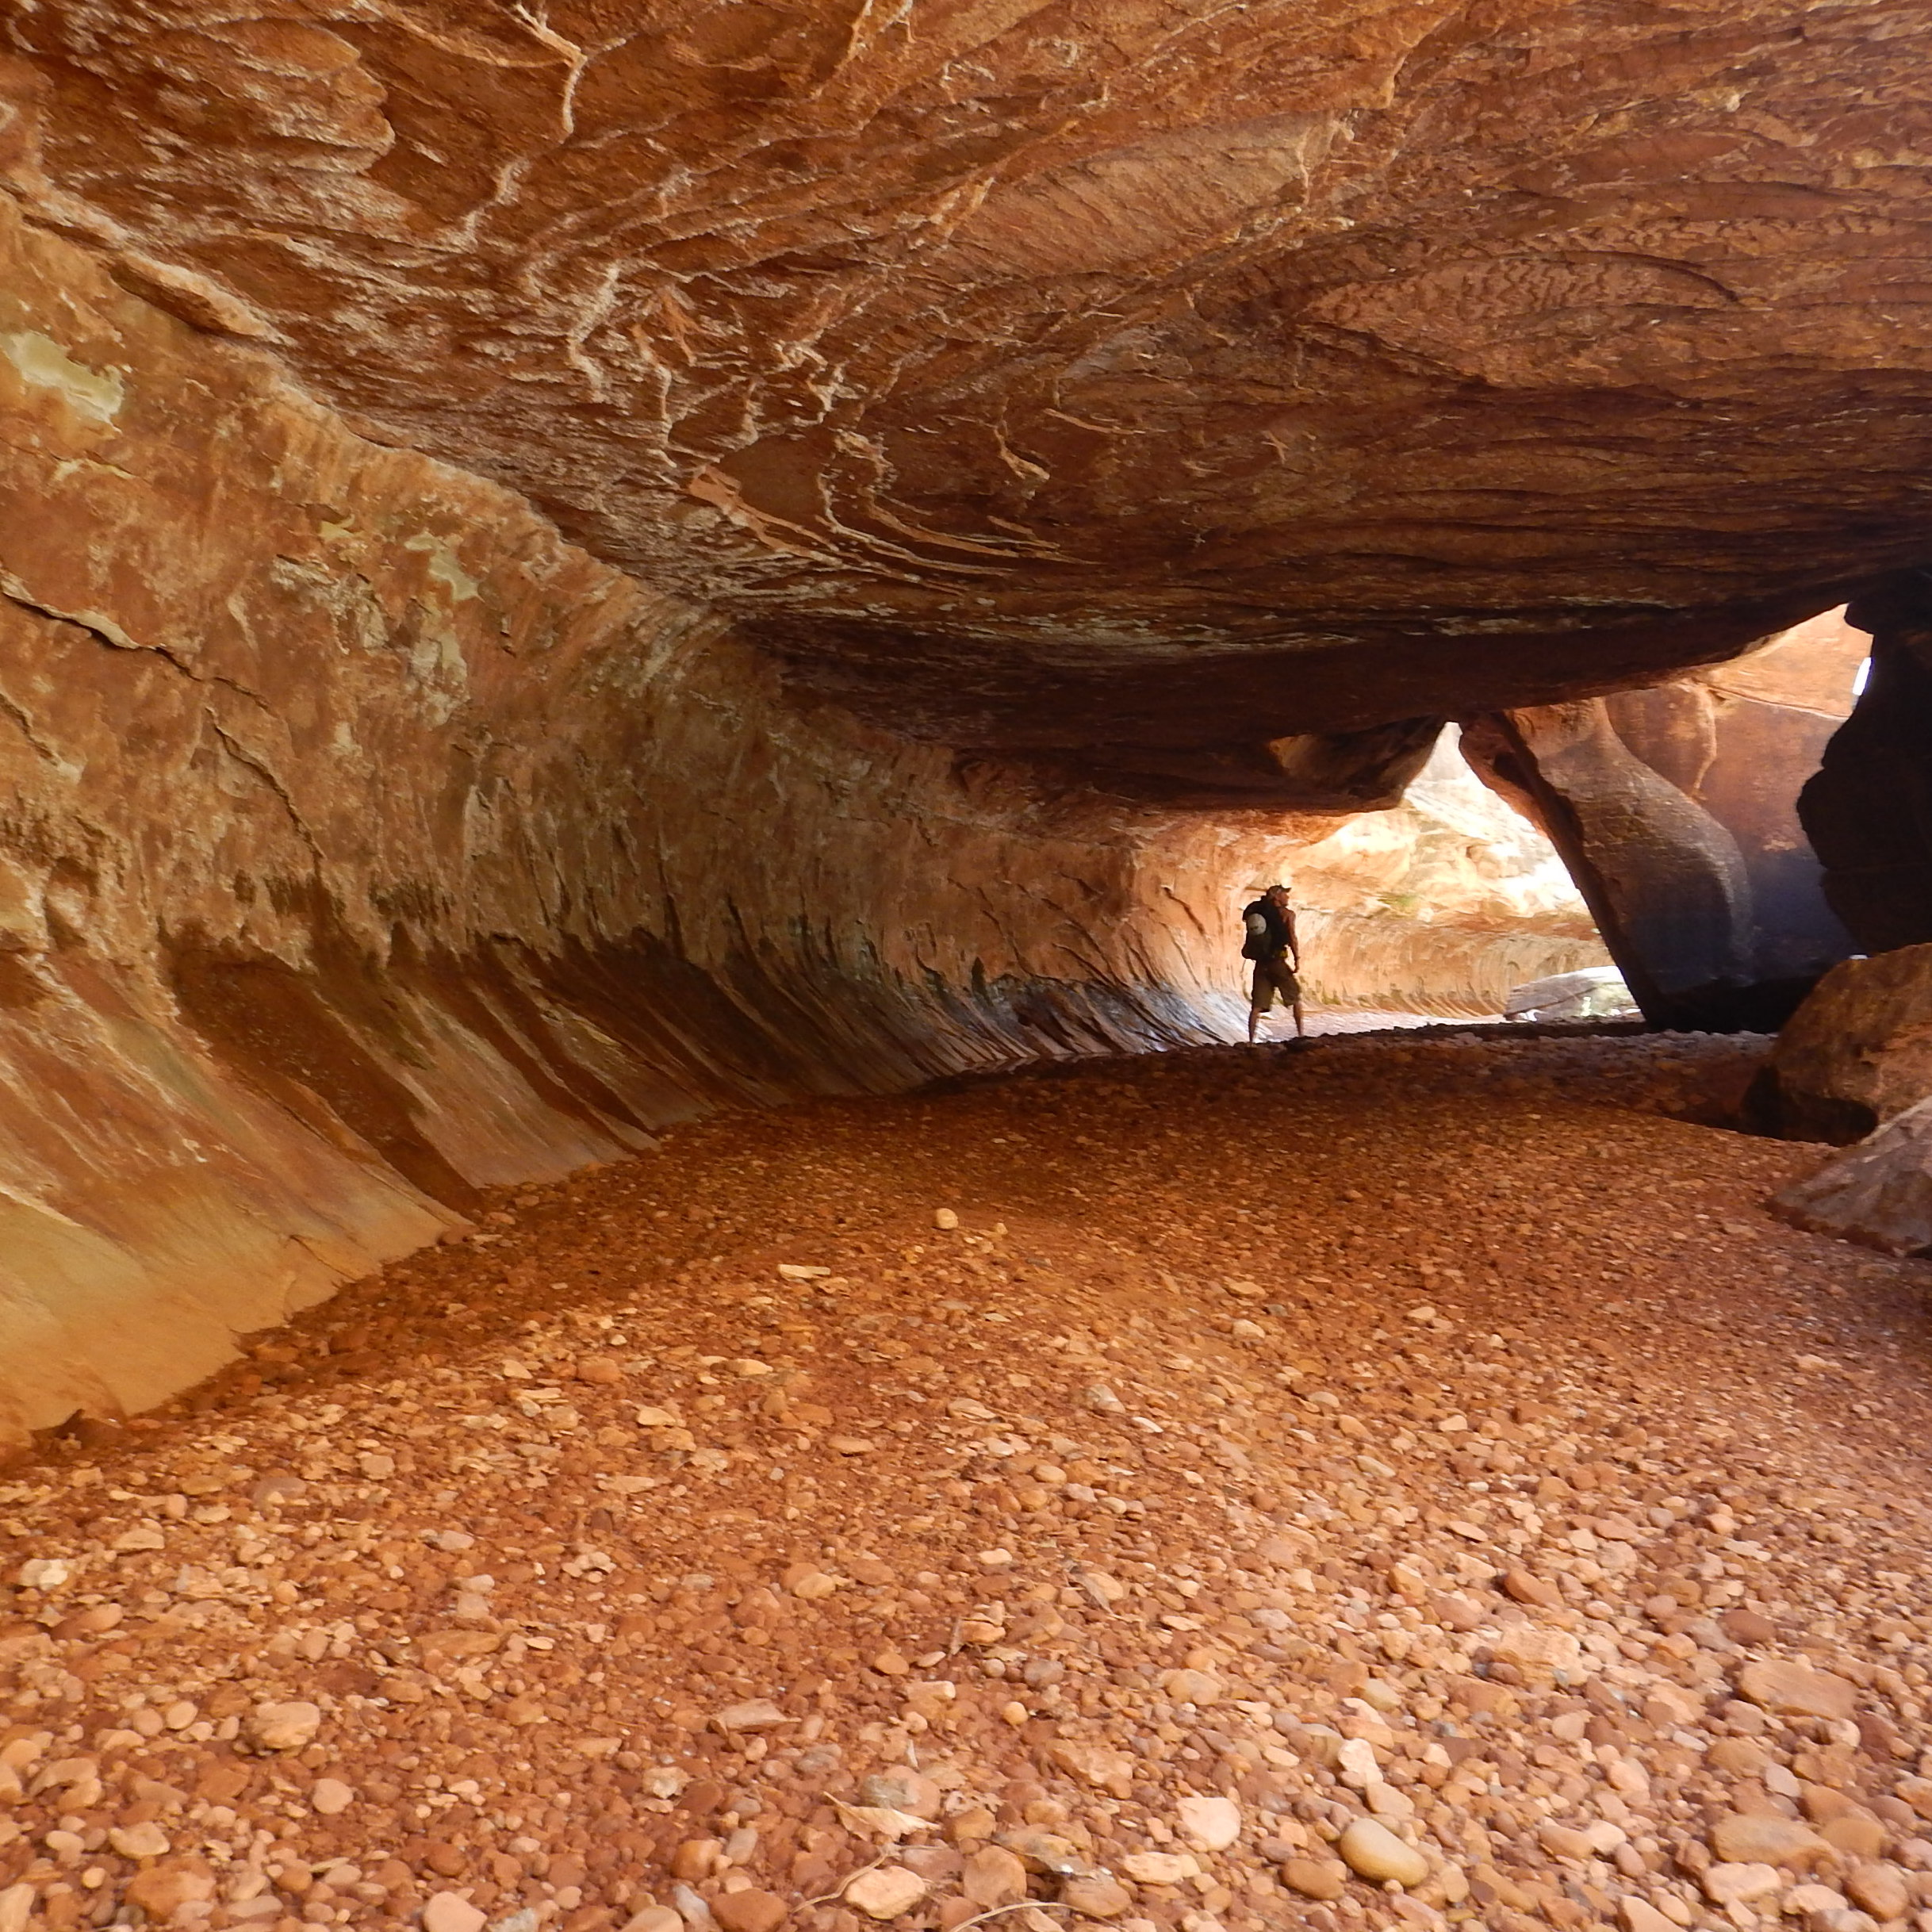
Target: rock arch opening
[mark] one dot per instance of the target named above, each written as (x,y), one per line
(1439,905)
(1677,808)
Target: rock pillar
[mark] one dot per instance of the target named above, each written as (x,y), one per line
(1676,810)
(1869,809)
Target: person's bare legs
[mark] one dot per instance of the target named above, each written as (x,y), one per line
(1301,1027)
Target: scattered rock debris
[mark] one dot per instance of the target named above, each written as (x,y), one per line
(1391,1482)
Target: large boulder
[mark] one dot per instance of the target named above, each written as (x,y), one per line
(1595,993)
(1879,1192)
(1858,1051)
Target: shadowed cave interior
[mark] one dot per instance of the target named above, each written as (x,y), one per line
(646,657)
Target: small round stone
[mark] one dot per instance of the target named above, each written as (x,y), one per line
(888,1892)
(1373,1851)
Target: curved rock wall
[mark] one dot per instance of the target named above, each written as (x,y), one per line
(364,843)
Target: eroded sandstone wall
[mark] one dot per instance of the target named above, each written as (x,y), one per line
(1675,808)
(362,842)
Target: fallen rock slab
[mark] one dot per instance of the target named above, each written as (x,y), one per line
(1878,1193)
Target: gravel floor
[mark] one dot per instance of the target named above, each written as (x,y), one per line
(1389,1481)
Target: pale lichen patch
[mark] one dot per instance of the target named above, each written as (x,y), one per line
(43,364)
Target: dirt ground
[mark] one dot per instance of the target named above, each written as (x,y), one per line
(1396,1481)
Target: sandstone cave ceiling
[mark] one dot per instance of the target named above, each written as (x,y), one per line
(1107,373)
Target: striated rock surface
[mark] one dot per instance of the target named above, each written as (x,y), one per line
(1137,377)
(366,843)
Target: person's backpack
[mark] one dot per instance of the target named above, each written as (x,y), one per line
(1265,943)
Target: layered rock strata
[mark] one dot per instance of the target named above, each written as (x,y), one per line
(1120,380)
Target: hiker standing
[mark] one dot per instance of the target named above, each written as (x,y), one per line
(1270,943)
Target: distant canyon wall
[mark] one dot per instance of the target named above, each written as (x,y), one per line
(1441,906)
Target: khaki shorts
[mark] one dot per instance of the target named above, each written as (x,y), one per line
(1273,976)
